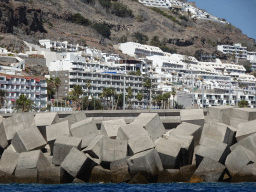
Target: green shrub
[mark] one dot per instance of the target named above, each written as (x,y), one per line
(103,29)
(183,18)
(79,19)
(140,38)
(123,39)
(105,3)
(92,2)
(165,14)
(121,10)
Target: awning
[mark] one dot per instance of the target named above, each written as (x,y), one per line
(13,100)
(37,80)
(8,77)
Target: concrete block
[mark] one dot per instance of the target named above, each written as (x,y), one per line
(245,130)
(62,147)
(111,127)
(139,144)
(211,171)
(28,140)
(220,114)
(73,118)
(100,174)
(3,138)
(18,122)
(189,129)
(194,116)
(168,176)
(170,153)
(139,178)
(95,147)
(77,164)
(212,149)
(187,147)
(219,132)
(152,123)
(87,139)
(11,148)
(83,128)
(120,171)
(242,115)
(131,131)
(246,174)
(238,159)
(148,162)
(113,150)
(26,175)
(248,143)
(9,161)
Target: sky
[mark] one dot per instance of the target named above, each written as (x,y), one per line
(240,13)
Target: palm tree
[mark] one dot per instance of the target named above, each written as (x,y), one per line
(50,88)
(173,93)
(147,85)
(129,96)
(108,92)
(75,94)
(57,83)
(2,97)
(24,104)
(88,85)
(166,96)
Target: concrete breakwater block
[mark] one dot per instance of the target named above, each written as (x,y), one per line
(152,123)
(18,122)
(242,115)
(246,174)
(62,147)
(194,116)
(147,162)
(9,161)
(77,164)
(212,149)
(73,118)
(99,174)
(120,171)
(3,138)
(45,119)
(131,131)
(28,140)
(248,143)
(113,150)
(220,114)
(245,130)
(169,153)
(212,171)
(110,128)
(239,158)
(219,132)
(95,147)
(139,144)
(187,147)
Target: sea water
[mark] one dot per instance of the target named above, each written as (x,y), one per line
(177,187)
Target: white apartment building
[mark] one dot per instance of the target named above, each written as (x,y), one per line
(236,49)
(251,56)
(15,85)
(4,52)
(59,46)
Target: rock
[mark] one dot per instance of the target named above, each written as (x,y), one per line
(9,162)
(28,140)
(113,150)
(246,174)
(147,162)
(120,171)
(211,149)
(152,123)
(100,174)
(194,116)
(196,179)
(220,114)
(170,153)
(168,176)
(18,122)
(245,130)
(139,178)
(239,158)
(95,147)
(77,164)
(210,170)
(73,118)
(110,128)
(242,115)
(62,147)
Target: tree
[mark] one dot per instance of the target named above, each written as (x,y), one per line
(138,73)
(24,104)
(108,92)
(243,103)
(198,54)
(57,83)
(75,94)
(50,88)
(155,41)
(173,93)
(129,96)
(88,85)
(139,96)
(147,85)
(2,97)
(166,96)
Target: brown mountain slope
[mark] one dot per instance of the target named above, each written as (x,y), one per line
(32,20)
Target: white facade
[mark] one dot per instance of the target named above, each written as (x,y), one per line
(251,56)
(236,49)
(4,52)
(59,46)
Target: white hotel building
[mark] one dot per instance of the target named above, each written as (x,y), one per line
(236,49)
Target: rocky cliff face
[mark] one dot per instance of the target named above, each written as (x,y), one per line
(32,20)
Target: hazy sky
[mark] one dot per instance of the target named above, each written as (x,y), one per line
(240,13)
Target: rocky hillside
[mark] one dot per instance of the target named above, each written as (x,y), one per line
(103,23)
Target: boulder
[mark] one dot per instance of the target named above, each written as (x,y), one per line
(147,162)
(9,162)
(245,130)
(62,147)
(28,140)
(238,159)
(194,116)
(152,123)
(139,178)
(78,164)
(120,171)
(170,153)
(100,174)
(73,118)
(17,122)
(242,115)
(110,128)
(168,176)
(220,114)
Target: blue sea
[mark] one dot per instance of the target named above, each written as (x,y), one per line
(207,187)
